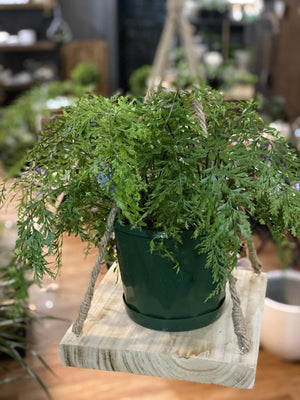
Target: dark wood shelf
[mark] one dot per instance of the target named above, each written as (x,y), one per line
(48,5)
(36,15)
(18,87)
(43,45)
(23,86)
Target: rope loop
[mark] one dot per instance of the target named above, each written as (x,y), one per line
(86,304)
(175,6)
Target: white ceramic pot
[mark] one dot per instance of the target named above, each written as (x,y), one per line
(280,333)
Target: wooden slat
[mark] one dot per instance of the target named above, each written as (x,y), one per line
(45,5)
(10,7)
(92,51)
(42,45)
(112,342)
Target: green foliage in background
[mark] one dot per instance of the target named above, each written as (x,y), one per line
(138,80)
(230,76)
(223,76)
(85,74)
(15,318)
(19,121)
(164,173)
(273,108)
(220,5)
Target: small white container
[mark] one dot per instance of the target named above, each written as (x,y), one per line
(27,37)
(3,37)
(280,333)
(12,40)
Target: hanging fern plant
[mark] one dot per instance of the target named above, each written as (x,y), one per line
(164,173)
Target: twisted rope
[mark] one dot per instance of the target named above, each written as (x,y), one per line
(186,35)
(237,314)
(161,56)
(238,318)
(86,304)
(197,105)
(252,255)
(175,21)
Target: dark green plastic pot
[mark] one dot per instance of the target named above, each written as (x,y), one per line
(155,295)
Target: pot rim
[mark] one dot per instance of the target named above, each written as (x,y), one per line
(287,308)
(147,233)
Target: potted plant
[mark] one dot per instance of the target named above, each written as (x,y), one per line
(173,181)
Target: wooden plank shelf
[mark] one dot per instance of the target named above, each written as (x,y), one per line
(42,45)
(19,87)
(112,342)
(46,5)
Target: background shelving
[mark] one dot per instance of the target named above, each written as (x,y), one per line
(43,5)
(14,58)
(42,45)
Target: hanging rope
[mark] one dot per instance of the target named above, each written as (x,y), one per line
(237,314)
(161,57)
(239,325)
(186,36)
(176,22)
(200,115)
(252,255)
(86,304)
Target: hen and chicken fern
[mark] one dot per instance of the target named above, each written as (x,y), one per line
(164,173)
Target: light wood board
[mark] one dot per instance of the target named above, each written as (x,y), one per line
(112,342)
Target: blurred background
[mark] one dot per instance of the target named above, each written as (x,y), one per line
(246,48)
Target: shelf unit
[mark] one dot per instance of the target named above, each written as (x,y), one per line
(45,5)
(36,15)
(42,45)
(238,32)
(19,87)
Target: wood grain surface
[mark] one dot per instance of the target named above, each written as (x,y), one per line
(112,342)
(92,51)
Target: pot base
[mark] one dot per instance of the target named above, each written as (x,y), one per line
(174,324)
